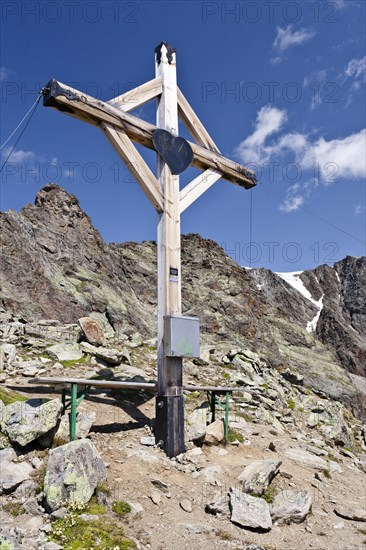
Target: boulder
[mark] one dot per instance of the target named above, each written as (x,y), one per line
(65,352)
(256,477)
(91,330)
(197,421)
(108,355)
(84,422)
(10,352)
(249,512)
(291,507)
(25,421)
(12,473)
(354,514)
(73,472)
(218,505)
(8,540)
(306,459)
(215,432)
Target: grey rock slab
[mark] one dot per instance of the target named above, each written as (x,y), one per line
(291,507)
(353,513)
(215,433)
(256,477)
(8,540)
(186,505)
(218,505)
(10,352)
(199,528)
(136,508)
(155,496)
(26,489)
(249,512)
(112,356)
(65,352)
(12,474)
(147,441)
(305,459)
(25,421)
(164,487)
(84,423)
(52,546)
(73,472)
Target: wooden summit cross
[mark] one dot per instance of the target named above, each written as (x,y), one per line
(174,155)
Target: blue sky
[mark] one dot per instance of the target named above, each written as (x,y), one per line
(279,85)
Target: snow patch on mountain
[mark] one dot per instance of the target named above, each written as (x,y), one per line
(293,279)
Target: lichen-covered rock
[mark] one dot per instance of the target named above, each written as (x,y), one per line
(25,421)
(73,472)
(248,511)
(65,352)
(291,507)
(256,477)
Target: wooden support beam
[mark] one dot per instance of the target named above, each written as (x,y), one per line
(138,96)
(194,125)
(196,188)
(136,164)
(94,111)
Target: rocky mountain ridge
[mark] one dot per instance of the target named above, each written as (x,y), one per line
(55,264)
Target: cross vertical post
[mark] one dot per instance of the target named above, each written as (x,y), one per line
(169,428)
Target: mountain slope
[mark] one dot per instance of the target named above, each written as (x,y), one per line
(55,264)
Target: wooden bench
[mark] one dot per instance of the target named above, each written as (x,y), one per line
(80,387)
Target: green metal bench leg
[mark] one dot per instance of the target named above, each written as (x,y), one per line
(72,417)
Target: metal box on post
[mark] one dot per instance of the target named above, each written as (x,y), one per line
(181,336)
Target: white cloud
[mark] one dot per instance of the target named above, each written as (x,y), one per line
(347,155)
(336,158)
(293,201)
(359,208)
(356,68)
(18,157)
(6,74)
(269,121)
(286,38)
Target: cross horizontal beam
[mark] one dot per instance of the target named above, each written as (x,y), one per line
(94,111)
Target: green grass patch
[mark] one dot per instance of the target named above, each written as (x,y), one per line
(14,508)
(269,494)
(327,474)
(72,363)
(9,396)
(291,404)
(74,533)
(226,375)
(39,476)
(234,435)
(94,508)
(102,487)
(120,507)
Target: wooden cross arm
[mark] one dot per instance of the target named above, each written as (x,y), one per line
(91,110)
